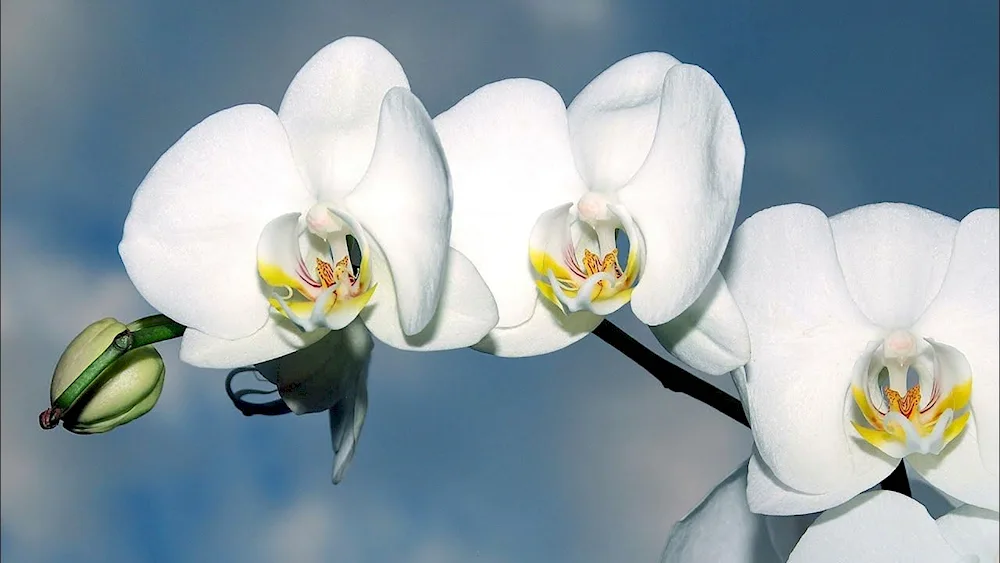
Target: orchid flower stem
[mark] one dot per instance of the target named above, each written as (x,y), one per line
(143,332)
(897,481)
(672,377)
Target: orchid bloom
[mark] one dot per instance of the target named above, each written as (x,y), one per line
(875,338)
(265,233)
(875,526)
(651,150)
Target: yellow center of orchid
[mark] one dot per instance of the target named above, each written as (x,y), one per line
(574,253)
(331,292)
(894,413)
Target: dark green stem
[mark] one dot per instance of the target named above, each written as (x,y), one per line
(672,377)
(142,332)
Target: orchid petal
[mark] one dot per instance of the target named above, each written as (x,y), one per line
(722,528)
(316,378)
(190,239)
(966,314)
(894,257)
(347,417)
(508,150)
(685,195)
(876,526)
(548,330)
(970,530)
(276,338)
(959,471)
(806,335)
(613,119)
(403,202)
(711,335)
(464,316)
(331,111)
(279,255)
(766,494)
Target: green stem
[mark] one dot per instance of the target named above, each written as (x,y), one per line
(142,332)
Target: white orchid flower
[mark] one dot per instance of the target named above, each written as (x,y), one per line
(262,232)
(652,149)
(879,526)
(875,338)
(888,527)
(268,233)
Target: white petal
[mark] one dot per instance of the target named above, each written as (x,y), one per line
(331,111)
(404,203)
(966,315)
(465,315)
(805,336)
(722,528)
(894,257)
(711,335)
(613,119)
(276,338)
(685,195)
(508,150)
(958,470)
(317,377)
(190,239)
(878,526)
(546,331)
(766,494)
(972,531)
(347,417)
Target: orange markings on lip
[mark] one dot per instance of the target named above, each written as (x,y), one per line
(905,405)
(592,265)
(329,274)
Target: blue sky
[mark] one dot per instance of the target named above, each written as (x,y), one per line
(575,456)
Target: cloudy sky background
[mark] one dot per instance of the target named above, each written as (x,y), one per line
(576,456)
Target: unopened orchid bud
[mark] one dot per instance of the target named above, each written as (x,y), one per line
(125,390)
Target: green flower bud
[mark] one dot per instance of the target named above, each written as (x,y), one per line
(124,391)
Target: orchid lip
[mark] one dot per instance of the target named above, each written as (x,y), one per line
(910,395)
(575,255)
(316,266)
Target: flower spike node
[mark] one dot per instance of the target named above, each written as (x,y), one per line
(109,375)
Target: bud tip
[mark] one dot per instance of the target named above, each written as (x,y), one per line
(49,418)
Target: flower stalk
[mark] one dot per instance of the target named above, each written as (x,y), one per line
(673,378)
(897,481)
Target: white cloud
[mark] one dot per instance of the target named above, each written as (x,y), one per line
(46,300)
(305,531)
